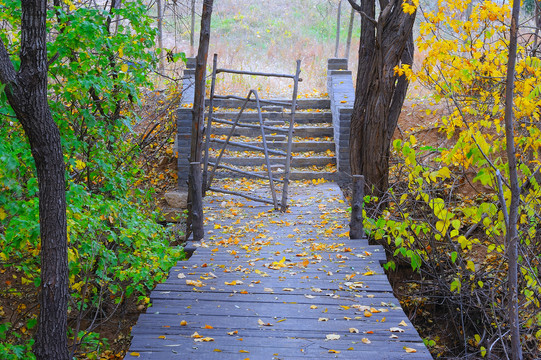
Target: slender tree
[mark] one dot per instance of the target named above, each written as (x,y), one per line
(194,184)
(350,33)
(384,44)
(512,228)
(192,28)
(338,20)
(26,91)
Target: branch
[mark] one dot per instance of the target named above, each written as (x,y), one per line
(7,70)
(359,9)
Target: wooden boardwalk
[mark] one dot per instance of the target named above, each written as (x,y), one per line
(267,285)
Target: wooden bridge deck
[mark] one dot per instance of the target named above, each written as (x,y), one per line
(267,285)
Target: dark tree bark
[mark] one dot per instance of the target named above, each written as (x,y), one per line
(195,201)
(26,92)
(380,93)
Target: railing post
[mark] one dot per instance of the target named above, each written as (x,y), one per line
(197,201)
(357,201)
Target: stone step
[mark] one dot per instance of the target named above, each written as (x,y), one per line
(316,146)
(294,175)
(298,162)
(303,132)
(300,117)
(301,103)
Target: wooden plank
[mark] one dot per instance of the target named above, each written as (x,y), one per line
(341,280)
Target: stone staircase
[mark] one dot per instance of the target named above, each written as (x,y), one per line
(313,146)
(320,145)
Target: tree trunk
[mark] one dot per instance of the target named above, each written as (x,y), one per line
(27,94)
(350,33)
(192,29)
(380,93)
(196,220)
(511,243)
(337,45)
(160,34)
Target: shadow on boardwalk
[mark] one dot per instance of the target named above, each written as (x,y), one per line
(268,285)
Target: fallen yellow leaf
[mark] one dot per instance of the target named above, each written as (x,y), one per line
(332,337)
(409,350)
(205,339)
(262,323)
(194,283)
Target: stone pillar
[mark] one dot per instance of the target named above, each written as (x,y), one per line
(342,96)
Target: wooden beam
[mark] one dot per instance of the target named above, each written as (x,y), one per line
(356,224)
(270,128)
(254,198)
(248,146)
(247,173)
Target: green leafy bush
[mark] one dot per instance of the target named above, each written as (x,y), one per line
(116,247)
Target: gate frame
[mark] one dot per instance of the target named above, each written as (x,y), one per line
(207,180)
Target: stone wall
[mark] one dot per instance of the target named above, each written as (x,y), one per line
(342,96)
(184,124)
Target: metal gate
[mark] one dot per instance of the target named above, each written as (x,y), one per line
(211,166)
